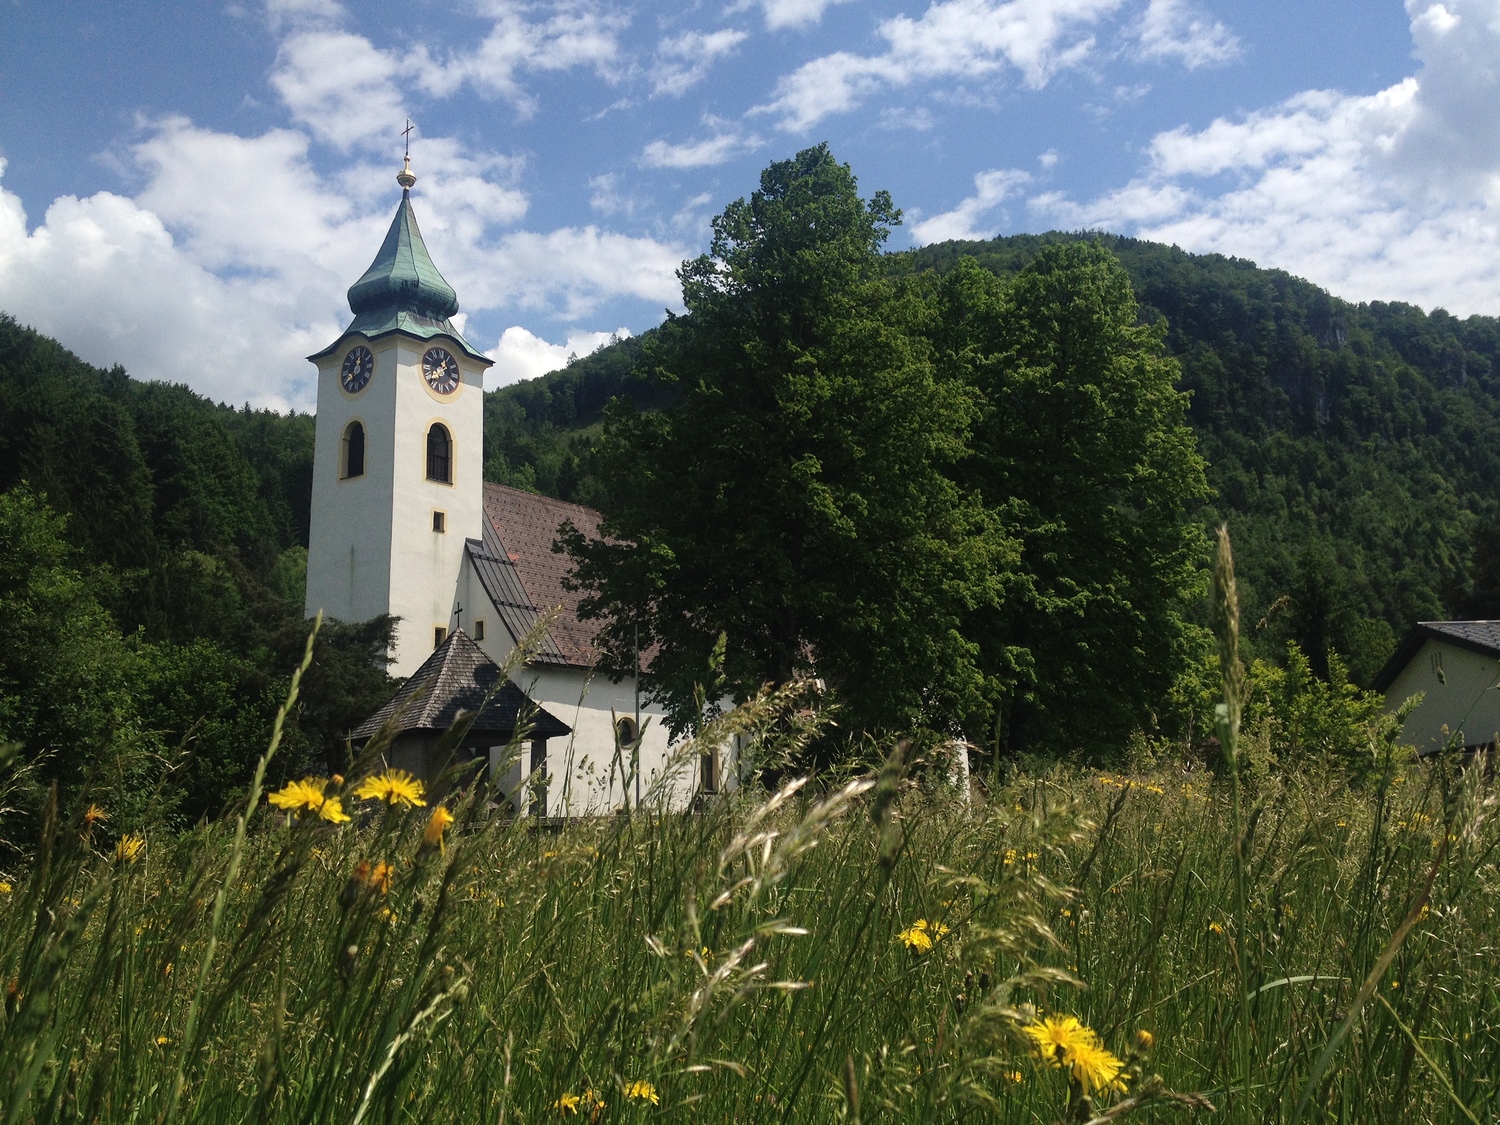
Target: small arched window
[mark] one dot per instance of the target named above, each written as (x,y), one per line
(354,450)
(439,454)
(627,733)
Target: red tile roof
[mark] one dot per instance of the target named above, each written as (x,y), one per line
(526,526)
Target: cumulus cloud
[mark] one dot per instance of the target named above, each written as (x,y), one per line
(1391,195)
(567,34)
(723,145)
(1171,30)
(963,39)
(683,61)
(521,354)
(795,13)
(965,221)
(340,85)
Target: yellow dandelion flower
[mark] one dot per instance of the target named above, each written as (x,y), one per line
(332,809)
(922,935)
(394,787)
(437,824)
(643,1092)
(1095,1068)
(162,1040)
(1215,928)
(5,887)
(298,795)
(1058,1036)
(567,1104)
(1144,1041)
(376,875)
(1014,1077)
(129,849)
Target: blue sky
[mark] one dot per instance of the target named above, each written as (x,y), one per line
(189,189)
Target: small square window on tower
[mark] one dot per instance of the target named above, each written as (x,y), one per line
(439,635)
(439,520)
(479,628)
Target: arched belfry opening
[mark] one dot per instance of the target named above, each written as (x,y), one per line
(439,454)
(353,455)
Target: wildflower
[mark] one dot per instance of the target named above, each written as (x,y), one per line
(295,795)
(5,888)
(437,824)
(1144,1041)
(129,849)
(94,815)
(1014,1077)
(1062,1041)
(1215,928)
(922,935)
(568,1103)
(395,787)
(1055,1036)
(642,1091)
(332,810)
(377,875)
(162,1040)
(1097,1069)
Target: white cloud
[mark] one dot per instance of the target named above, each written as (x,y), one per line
(570,271)
(522,355)
(721,147)
(1393,195)
(964,222)
(571,33)
(795,13)
(964,39)
(1173,30)
(340,86)
(683,61)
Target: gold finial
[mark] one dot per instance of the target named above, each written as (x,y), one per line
(405,177)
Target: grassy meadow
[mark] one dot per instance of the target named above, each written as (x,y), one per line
(862,948)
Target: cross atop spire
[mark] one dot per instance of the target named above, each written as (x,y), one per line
(405,177)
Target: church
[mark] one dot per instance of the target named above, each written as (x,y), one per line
(403,523)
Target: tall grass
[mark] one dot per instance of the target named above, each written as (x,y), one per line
(745,962)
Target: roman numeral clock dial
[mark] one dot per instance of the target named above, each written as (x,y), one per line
(440,370)
(359,365)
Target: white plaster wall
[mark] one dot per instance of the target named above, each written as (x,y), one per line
(372,549)
(585,777)
(1466,703)
(348,556)
(424,564)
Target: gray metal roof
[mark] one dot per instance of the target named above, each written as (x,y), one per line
(497,574)
(454,681)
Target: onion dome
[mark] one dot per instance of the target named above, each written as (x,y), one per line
(402,276)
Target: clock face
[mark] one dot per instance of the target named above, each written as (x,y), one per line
(440,370)
(359,365)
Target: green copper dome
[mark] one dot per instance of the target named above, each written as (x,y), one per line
(402,291)
(402,277)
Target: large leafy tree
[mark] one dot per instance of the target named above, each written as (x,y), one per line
(1083,450)
(795,498)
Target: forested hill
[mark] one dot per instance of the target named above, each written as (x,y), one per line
(1355,449)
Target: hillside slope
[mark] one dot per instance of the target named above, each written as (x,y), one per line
(1355,449)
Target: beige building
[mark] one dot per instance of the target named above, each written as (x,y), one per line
(403,523)
(1455,666)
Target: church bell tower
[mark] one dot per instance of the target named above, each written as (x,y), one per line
(398,457)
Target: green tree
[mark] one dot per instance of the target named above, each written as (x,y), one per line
(794,499)
(1082,448)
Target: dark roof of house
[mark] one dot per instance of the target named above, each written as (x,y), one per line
(452,683)
(1477,636)
(520,528)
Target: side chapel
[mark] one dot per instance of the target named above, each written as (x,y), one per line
(403,523)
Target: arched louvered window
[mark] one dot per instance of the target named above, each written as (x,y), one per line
(439,454)
(354,450)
